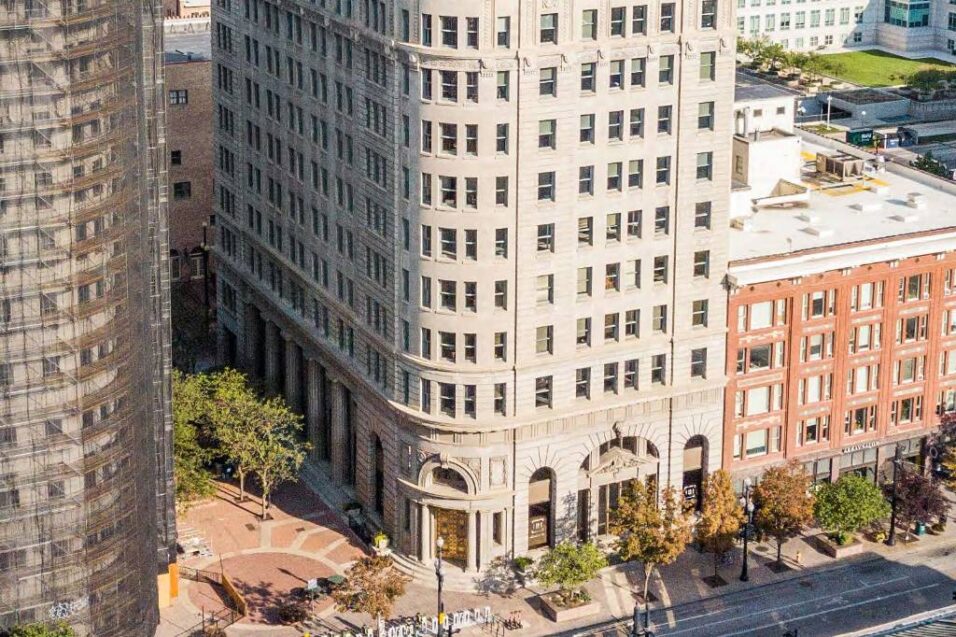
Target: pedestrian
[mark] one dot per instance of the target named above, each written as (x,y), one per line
(799,557)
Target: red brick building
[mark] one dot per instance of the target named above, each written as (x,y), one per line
(841,329)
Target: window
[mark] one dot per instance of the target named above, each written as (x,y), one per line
(426,291)
(635,175)
(860,420)
(867,296)
(503,35)
(447,398)
(818,304)
(664,114)
(583,332)
(909,370)
(907,410)
(610,378)
(542,392)
(813,430)
(503,91)
(708,62)
(587,77)
(582,383)
(630,374)
(449,31)
(663,176)
(178,97)
(659,319)
(705,116)
(702,214)
(616,74)
(585,231)
(546,237)
(612,277)
(911,329)
(501,191)
(586,180)
(544,340)
(708,14)
(471,296)
(612,227)
(447,294)
(665,73)
(587,129)
(639,19)
(667,17)
(632,324)
(501,139)
(658,369)
(471,25)
(426,29)
(548,81)
(662,220)
(426,397)
(584,282)
(705,165)
(615,126)
(546,186)
(914,287)
(589,24)
(698,363)
(814,389)
(448,238)
(614,176)
(176,157)
(446,342)
(449,138)
(699,313)
(501,243)
(501,294)
(549,28)
(501,339)
(182,190)
(544,289)
(660,269)
(449,191)
(546,133)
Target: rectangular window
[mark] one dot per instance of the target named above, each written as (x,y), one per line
(503,33)
(667,17)
(549,28)
(582,382)
(542,392)
(708,65)
(705,116)
(589,24)
(639,19)
(659,369)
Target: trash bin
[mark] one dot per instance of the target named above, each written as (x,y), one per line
(920,528)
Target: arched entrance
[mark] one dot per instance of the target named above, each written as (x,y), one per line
(604,475)
(540,508)
(379,477)
(695,459)
(451,524)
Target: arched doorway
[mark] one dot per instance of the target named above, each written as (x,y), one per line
(540,508)
(695,468)
(451,524)
(379,477)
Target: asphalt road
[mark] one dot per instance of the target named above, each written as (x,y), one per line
(860,595)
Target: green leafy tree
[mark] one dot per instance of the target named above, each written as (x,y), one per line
(234,411)
(277,450)
(784,503)
(721,516)
(190,413)
(41,629)
(570,566)
(774,54)
(372,586)
(930,164)
(647,533)
(945,445)
(849,504)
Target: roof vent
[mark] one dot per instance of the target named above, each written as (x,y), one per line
(905,217)
(916,200)
(819,231)
(867,206)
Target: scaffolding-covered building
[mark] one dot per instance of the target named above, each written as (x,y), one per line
(85,434)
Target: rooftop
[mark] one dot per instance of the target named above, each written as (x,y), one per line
(187,47)
(749,87)
(843,225)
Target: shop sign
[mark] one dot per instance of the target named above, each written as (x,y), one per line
(425,626)
(859,447)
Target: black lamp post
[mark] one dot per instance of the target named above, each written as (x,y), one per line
(897,465)
(747,503)
(440,574)
(636,629)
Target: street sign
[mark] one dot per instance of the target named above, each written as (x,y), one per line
(861,137)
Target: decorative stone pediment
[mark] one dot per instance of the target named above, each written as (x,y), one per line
(617,459)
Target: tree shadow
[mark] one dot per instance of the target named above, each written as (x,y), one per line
(499,578)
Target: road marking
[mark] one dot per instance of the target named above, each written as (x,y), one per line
(792,620)
(825,598)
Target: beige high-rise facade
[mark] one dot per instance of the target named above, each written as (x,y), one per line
(481,245)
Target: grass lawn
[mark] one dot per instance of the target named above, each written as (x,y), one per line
(877,68)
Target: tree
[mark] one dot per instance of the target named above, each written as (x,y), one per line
(372,586)
(190,405)
(945,444)
(918,499)
(41,629)
(276,451)
(849,504)
(930,164)
(570,566)
(774,53)
(647,533)
(783,503)
(721,517)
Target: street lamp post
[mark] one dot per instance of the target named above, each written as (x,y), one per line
(440,574)
(829,101)
(897,463)
(747,503)
(637,630)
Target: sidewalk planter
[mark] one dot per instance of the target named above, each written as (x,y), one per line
(558,613)
(830,547)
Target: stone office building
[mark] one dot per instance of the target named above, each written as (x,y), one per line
(481,246)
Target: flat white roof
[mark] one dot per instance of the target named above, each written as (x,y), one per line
(843,226)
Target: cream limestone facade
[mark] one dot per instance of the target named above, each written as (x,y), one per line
(482,246)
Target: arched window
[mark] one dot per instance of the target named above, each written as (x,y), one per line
(449,478)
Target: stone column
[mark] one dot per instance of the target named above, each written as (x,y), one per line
(272,356)
(313,409)
(423,533)
(487,541)
(338,443)
(292,389)
(472,563)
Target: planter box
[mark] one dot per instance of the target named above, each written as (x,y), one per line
(561,614)
(834,550)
